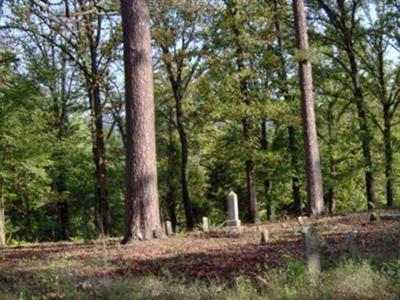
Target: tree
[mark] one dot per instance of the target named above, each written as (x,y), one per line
(343,20)
(142,220)
(87,35)
(284,90)
(25,141)
(235,24)
(383,82)
(178,27)
(311,148)
(2,216)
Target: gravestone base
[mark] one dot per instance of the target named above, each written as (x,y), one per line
(233,223)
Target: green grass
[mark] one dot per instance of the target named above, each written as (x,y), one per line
(350,279)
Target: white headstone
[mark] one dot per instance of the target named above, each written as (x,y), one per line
(206,227)
(168,228)
(233,210)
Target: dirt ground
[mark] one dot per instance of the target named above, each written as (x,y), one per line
(218,255)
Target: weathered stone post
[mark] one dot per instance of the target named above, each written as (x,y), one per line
(206,226)
(264,237)
(311,248)
(168,228)
(350,243)
(233,211)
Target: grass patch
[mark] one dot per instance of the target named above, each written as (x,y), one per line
(351,279)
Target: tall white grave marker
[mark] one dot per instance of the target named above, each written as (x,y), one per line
(233,211)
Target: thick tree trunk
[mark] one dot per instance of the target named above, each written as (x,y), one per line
(387,136)
(142,219)
(187,205)
(311,147)
(267,182)
(296,194)
(2,216)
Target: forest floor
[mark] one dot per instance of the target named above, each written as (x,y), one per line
(219,256)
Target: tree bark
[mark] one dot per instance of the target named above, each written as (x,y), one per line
(330,199)
(296,195)
(171,193)
(365,134)
(252,209)
(102,213)
(142,220)
(99,157)
(267,182)
(330,195)
(387,130)
(311,147)
(61,123)
(187,205)
(63,209)
(2,216)
(387,136)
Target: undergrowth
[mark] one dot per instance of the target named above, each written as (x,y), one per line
(351,278)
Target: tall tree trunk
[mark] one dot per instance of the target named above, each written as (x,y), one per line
(63,209)
(102,213)
(296,194)
(2,216)
(187,205)
(62,205)
(61,123)
(387,136)
(387,130)
(311,147)
(142,219)
(330,200)
(252,209)
(267,182)
(99,156)
(365,134)
(171,193)
(330,195)
(252,206)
